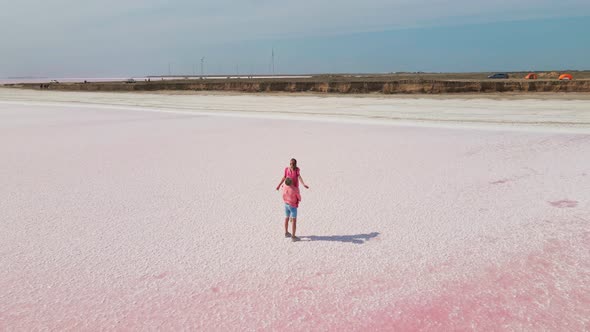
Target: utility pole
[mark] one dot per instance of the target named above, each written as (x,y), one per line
(273,60)
(202,61)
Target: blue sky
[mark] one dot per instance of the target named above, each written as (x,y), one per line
(69,38)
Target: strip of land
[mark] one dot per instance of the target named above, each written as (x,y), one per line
(403,83)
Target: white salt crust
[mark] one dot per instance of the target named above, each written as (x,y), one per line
(125,217)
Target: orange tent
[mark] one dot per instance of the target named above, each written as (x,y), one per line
(566,77)
(531,76)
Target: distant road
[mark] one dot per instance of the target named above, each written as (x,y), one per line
(16,80)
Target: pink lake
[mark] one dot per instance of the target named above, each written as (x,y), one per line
(121,218)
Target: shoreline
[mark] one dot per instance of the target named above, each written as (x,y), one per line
(371,95)
(443,96)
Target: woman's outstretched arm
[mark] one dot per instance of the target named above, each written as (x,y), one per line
(280,183)
(301,179)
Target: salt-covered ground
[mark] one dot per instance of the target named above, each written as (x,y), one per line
(164,217)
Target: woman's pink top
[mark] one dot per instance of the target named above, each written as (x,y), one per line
(293,174)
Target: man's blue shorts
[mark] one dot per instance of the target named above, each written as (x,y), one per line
(290,211)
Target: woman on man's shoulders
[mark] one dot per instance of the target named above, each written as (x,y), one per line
(294,173)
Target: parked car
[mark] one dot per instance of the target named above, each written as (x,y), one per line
(130,81)
(499,75)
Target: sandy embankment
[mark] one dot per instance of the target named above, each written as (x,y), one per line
(332,85)
(155,214)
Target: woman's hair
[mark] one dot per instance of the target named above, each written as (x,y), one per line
(293,160)
(288,181)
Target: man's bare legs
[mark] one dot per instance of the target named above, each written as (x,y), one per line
(294,221)
(287,227)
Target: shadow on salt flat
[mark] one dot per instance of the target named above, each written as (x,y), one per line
(356,239)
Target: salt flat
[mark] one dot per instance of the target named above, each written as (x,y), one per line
(139,211)
(467,111)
